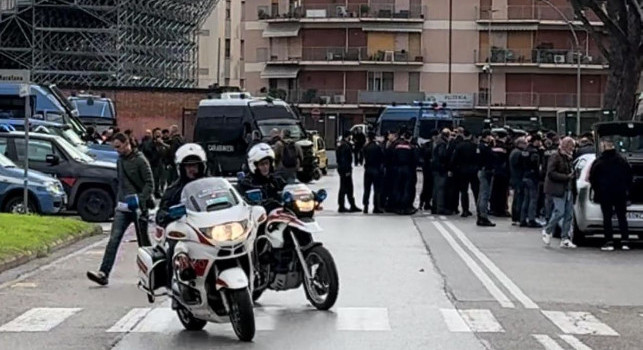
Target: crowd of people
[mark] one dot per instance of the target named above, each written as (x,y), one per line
(535,167)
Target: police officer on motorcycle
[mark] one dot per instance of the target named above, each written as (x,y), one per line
(191,164)
(261,160)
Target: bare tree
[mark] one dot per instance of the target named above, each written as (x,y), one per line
(622,20)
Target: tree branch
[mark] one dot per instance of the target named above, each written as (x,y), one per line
(598,39)
(609,23)
(635,4)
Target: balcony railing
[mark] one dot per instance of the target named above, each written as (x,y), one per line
(540,100)
(536,12)
(354,54)
(538,56)
(363,10)
(349,96)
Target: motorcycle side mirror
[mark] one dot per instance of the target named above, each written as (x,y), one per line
(240,176)
(254,196)
(287,197)
(177,211)
(259,214)
(321,195)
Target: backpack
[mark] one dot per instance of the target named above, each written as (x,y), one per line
(289,156)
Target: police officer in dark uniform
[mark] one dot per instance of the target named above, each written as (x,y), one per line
(391,171)
(345,170)
(373,173)
(426,153)
(500,186)
(531,164)
(439,164)
(485,176)
(405,163)
(451,192)
(465,171)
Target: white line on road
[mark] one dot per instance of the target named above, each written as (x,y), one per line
(129,321)
(574,342)
(454,321)
(481,321)
(53,263)
(442,217)
(547,342)
(158,320)
(475,268)
(579,323)
(39,319)
(362,319)
(501,276)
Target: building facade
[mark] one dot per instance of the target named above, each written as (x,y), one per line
(340,61)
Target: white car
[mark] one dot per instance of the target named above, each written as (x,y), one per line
(588,218)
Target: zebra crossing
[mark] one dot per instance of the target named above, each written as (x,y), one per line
(351,319)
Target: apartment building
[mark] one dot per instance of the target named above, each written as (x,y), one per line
(221,46)
(340,61)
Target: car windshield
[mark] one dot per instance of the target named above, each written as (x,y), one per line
(296,131)
(74,152)
(208,194)
(628,144)
(6,162)
(269,111)
(96,108)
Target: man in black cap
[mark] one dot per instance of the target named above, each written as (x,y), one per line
(485,175)
(531,163)
(345,170)
(373,173)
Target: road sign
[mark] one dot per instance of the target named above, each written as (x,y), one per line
(315,113)
(15,76)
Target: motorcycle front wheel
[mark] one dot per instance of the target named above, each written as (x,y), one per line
(242,315)
(323,288)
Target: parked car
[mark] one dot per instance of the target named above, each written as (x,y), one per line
(588,218)
(319,150)
(90,185)
(46,194)
(100,152)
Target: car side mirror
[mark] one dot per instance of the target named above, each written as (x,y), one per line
(52,159)
(259,214)
(177,211)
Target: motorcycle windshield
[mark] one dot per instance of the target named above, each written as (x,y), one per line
(209,194)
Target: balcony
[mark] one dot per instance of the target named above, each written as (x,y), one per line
(544,58)
(538,13)
(348,56)
(348,13)
(534,100)
(347,98)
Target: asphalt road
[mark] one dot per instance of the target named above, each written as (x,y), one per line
(421,282)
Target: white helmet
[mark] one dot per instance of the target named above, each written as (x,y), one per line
(190,153)
(258,153)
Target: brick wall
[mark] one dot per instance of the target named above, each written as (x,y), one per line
(139,109)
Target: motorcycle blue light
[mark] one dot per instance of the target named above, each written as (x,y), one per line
(321,195)
(287,197)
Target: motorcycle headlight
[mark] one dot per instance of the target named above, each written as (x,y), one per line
(229,232)
(305,206)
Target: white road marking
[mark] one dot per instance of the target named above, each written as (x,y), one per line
(481,321)
(579,323)
(547,342)
(129,321)
(158,320)
(362,319)
(574,342)
(39,319)
(24,285)
(442,217)
(454,321)
(53,263)
(432,217)
(475,268)
(501,276)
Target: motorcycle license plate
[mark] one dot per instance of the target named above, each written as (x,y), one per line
(634,215)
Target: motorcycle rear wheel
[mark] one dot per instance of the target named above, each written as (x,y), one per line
(324,279)
(242,314)
(188,321)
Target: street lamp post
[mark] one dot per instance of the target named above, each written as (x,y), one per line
(578,62)
(490,11)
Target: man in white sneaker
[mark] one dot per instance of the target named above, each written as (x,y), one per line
(558,180)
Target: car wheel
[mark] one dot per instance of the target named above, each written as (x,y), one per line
(579,236)
(95,205)
(16,206)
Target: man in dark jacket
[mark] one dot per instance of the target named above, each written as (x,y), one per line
(373,172)
(485,176)
(360,140)
(390,171)
(517,172)
(585,145)
(465,171)
(176,141)
(451,191)
(405,163)
(345,170)
(426,154)
(134,178)
(558,186)
(500,183)
(155,151)
(439,164)
(531,162)
(611,178)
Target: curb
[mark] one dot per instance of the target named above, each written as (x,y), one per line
(24,258)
